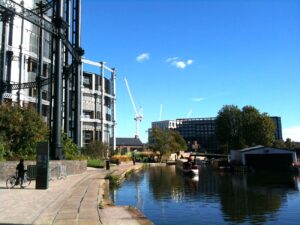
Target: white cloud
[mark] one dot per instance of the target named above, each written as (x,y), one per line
(172,59)
(292,133)
(142,57)
(180,64)
(197,99)
(190,62)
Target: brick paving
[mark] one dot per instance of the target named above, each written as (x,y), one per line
(74,200)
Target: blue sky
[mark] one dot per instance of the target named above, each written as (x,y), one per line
(193,57)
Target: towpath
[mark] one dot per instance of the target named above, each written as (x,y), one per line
(74,200)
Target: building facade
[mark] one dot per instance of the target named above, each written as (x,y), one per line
(23,47)
(98,110)
(200,133)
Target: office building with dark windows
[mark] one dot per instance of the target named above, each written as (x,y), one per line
(278,128)
(200,133)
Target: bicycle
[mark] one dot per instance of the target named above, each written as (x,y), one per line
(12,181)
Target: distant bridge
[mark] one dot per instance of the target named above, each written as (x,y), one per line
(209,155)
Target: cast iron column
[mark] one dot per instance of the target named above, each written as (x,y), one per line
(78,72)
(57,114)
(40,63)
(4,20)
(67,76)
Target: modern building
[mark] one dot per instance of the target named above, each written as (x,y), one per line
(98,110)
(200,133)
(278,128)
(165,124)
(24,45)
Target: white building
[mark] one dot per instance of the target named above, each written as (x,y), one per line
(98,90)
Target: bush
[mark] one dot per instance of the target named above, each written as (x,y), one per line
(120,158)
(96,150)
(96,163)
(70,149)
(145,156)
(20,130)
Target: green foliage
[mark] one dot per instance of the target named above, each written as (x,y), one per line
(70,149)
(176,141)
(229,126)
(279,144)
(96,150)
(97,163)
(166,142)
(237,128)
(114,181)
(288,144)
(20,130)
(2,150)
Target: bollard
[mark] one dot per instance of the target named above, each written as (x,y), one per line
(107,165)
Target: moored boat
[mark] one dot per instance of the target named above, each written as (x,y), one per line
(187,167)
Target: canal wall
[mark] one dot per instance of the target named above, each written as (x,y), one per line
(111,214)
(70,167)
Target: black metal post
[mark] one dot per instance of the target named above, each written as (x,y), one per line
(21,58)
(77,117)
(67,76)
(9,53)
(3,55)
(40,63)
(57,114)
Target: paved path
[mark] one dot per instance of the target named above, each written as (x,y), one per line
(74,200)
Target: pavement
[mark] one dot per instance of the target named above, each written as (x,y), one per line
(78,199)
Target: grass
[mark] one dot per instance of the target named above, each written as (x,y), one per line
(97,163)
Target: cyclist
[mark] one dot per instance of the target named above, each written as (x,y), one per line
(21,170)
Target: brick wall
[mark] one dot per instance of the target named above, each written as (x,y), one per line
(72,167)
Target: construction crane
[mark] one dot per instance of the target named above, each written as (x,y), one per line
(160,112)
(138,114)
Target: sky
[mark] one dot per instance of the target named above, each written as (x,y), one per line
(192,57)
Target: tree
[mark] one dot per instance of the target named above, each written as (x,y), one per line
(20,130)
(166,142)
(265,130)
(229,127)
(238,129)
(251,124)
(176,141)
(279,144)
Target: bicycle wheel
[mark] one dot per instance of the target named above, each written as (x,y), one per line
(11,182)
(26,181)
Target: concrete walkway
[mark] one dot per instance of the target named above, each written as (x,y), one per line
(74,200)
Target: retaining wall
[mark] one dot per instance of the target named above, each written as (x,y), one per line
(72,167)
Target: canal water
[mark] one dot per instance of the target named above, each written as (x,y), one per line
(168,197)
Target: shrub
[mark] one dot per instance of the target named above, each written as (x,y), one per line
(96,150)
(70,149)
(20,130)
(97,163)
(120,158)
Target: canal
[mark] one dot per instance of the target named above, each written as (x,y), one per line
(167,197)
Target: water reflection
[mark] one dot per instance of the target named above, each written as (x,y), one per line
(254,198)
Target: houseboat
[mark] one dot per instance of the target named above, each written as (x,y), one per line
(187,166)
